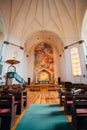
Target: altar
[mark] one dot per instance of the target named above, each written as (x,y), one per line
(39,87)
(43,81)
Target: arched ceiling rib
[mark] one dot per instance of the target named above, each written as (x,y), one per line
(22,18)
(84,28)
(44,37)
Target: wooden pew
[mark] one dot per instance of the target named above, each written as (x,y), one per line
(19,93)
(7,112)
(79,111)
(25,98)
(18,100)
(68,101)
(20,96)
(68,86)
(61,96)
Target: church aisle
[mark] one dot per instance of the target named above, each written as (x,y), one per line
(39,97)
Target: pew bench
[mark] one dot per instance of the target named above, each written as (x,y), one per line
(61,96)
(68,101)
(7,112)
(25,98)
(79,112)
(18,100)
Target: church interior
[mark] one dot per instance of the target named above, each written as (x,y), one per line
(43,60)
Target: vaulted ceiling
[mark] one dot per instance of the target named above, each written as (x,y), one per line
(27,22)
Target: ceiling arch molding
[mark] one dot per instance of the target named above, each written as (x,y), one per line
(84,27)
(44,37)
(22,18)
(3,29)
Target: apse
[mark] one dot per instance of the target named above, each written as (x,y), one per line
(44,63)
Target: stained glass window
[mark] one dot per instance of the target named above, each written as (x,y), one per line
(76,69)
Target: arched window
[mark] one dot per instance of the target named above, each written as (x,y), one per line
(76,69)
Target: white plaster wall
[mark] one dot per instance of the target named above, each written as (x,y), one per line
(66,66)
(2,79)
(0,52)
(22,67)
(0,46)
(85,51)
(62,67)
(31,65)
(57,72)
(3,49)
(83,64)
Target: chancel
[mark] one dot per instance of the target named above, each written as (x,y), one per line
(43,64)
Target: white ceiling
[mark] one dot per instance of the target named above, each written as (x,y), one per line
(27,22)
